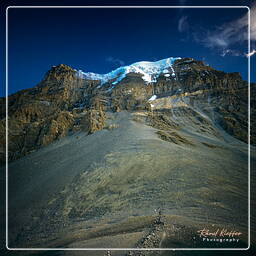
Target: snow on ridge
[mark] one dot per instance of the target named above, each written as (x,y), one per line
(150,71)
(152,98)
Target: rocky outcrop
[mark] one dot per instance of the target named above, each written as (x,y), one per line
(94,119)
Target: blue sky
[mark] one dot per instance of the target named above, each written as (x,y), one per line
(100,40)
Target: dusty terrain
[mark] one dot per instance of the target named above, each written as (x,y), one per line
(75,193)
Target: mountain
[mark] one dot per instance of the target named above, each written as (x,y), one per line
(59,103)
(92,156)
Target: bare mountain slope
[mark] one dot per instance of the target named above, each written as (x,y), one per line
(75,190)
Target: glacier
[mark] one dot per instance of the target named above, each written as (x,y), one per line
(150,71)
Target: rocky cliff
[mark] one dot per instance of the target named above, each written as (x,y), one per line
(66,101)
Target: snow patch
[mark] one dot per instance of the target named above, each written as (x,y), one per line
(152,98)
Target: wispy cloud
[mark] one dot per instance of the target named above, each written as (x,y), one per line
(230,52)
(115,61)
(224,37)
(183,24)
(251,53)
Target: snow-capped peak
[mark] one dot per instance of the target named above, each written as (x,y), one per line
(149,70)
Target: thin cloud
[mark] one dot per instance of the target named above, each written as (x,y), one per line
(230,52)
(183,24)
(224,37)
(115,61)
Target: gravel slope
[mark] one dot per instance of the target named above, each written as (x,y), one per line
(103,189)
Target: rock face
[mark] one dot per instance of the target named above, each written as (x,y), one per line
(65,102)
(47,112)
